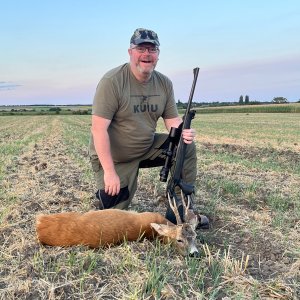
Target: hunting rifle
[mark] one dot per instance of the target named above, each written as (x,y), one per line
(175,153)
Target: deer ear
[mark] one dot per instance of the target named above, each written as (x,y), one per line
(161,229)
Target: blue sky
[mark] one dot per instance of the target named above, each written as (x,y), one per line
(55,52)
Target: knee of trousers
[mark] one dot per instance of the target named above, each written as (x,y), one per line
(120,201)
(191,151)
(189,171)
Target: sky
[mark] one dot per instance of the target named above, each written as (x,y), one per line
(55,52)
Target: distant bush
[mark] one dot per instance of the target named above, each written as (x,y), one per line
(80,112)
(56,109)
(278,100)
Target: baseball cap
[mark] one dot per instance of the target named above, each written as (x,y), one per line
(142,35)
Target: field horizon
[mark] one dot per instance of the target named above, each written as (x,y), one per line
(23,110)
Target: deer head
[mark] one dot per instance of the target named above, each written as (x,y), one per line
(182,235)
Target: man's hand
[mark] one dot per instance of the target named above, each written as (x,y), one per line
(111,183)
(188,135)
(102,146)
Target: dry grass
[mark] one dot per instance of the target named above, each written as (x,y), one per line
(248,184)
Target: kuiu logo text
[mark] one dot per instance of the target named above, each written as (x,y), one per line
(145,108)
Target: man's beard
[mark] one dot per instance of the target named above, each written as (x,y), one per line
(145,71)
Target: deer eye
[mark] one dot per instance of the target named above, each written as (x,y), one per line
(180,241)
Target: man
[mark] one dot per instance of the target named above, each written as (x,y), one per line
(128,102)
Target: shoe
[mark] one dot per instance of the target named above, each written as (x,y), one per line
(203,222)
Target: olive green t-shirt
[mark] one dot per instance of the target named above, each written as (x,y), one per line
(133,108)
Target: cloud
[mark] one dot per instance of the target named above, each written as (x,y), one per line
(7,86)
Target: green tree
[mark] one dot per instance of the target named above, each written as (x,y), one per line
(180,104)
(279,100)
(247,99)
(241,101)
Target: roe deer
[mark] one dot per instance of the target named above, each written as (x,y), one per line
(113,226)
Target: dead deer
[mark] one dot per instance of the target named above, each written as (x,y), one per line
(113,226)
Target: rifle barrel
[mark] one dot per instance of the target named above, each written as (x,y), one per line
(196,72)
(181,148)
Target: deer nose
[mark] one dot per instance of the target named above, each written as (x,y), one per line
(195,254)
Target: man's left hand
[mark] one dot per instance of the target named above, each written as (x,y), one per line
(188,135)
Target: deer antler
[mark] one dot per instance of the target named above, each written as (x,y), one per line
(186,207)
(175,209)
(189,216)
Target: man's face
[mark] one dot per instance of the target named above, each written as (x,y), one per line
(143,58)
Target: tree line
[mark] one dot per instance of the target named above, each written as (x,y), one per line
(242,101)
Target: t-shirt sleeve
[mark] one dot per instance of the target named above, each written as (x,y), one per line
(105,102)
(170,108)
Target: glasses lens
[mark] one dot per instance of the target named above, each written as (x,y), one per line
(152,50)
(141,49)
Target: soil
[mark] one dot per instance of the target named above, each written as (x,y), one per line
(46,180)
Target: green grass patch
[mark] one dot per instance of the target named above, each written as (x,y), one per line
(76,132)
(269,108)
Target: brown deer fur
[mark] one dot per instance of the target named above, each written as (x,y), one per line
(96,228)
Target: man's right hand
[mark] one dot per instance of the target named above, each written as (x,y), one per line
(111,183)
(102,146)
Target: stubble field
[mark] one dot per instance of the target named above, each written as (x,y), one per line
(248,184)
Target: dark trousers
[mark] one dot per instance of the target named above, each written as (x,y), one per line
(128,171)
